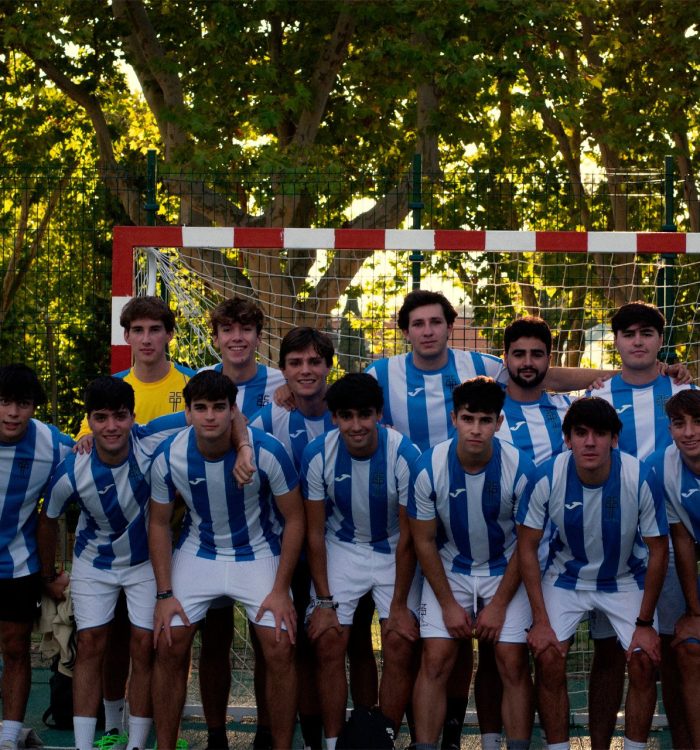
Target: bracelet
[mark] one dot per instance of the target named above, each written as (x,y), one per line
(243,445)
(644,623)
(325,603)
(167,594)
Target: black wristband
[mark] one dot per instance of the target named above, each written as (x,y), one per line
(164,594)
(324,598)
(644,623)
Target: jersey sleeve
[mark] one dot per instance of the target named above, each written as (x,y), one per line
(652,505)
(61,491)
(407,459)
(272,458)
(162,487)
(421,497)
(533,506)
(313,486)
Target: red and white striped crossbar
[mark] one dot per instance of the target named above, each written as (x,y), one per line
(127,238)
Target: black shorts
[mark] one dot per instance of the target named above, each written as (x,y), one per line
(20,598)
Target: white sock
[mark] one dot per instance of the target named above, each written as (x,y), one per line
(84,730)
(330,743)
(114,714)
(632,745)
(491,741)
(139,727)
(11,730)
(560,746)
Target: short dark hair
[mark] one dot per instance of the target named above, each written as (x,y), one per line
(356,390)
(420,298)
(593,412)
(210,385)
(302,337)
(151,308)
(531,327)
(638,313)
(20,383)
(479,394)
(237,310)
(108,392)
(682,403)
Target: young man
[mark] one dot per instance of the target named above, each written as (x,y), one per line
(606,506)
(149,327)
(110,485)
(306,358)
(232,546)
(678,468)
(462,513)
(236,325)
(355,481)
(30,451)
(638,394)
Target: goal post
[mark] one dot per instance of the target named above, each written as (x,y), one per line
(350,283)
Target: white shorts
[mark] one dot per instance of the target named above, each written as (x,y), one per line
(95,594)
(198,582)
(473,593)
(566,609)
(355,569)
(669,609)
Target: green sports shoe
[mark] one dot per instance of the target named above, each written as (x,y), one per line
(112,740)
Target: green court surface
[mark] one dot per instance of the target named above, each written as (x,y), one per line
(241,733)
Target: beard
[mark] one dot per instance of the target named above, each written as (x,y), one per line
(525,383)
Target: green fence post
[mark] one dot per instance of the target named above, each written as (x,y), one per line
(151,205)
(416,205)
(666,285)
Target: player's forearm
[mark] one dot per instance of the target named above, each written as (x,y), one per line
(239,431)
(433,569)
(655,575)
(686,566)
(292,541)
(405,570)
(530,573)
(161,551)
(510,581)
(316,554)
(571,378)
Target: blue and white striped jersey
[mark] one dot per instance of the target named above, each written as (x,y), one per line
(641,410)
(362,495)
(599,545)
(291,428)
(418,402)
(681,488)
(475,512)
(253,394)
(222,520)
(25,470)
(113,500)
(535,426)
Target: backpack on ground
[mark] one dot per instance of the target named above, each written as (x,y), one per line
(366,729)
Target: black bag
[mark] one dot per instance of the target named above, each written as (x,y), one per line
(60,709)
(366,729)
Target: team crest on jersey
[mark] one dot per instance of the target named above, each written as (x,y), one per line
(175,400)
(262,400)
(492,493)
(660,401)
(24,466)
(378,479)
(610,506)
(451,383)
(551,417)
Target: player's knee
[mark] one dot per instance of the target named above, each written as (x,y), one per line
(551,666)
(688,653)
(513,663)
(141,645)
(397,648)
(330,646)
(91,642)
(640,669)
(436,664)
(15,647)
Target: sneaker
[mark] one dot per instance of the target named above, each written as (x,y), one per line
(112,740)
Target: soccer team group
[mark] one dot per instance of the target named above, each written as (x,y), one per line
(462,496)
